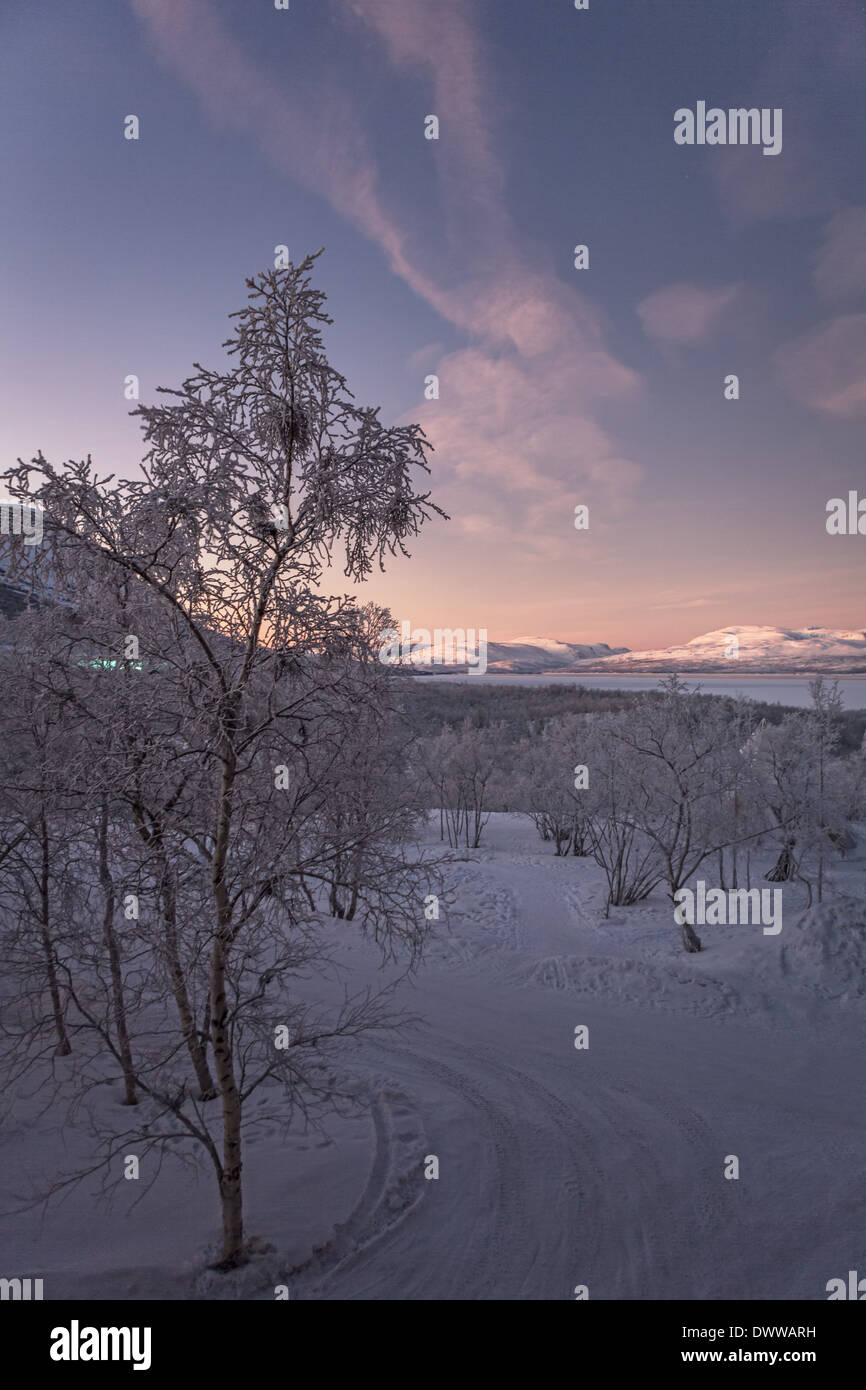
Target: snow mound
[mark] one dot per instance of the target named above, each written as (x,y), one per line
(636,982)
(826,949)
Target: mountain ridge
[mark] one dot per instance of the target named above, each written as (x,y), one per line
(760,650)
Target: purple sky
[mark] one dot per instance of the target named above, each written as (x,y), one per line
(558,386)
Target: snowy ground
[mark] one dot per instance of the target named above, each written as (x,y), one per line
(558,1166)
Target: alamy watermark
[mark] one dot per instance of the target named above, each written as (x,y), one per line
(21,519)
(77,1343)
(736,126)
(727,907)
(20,1290)
(445,646)
(855,1288)
(846,518)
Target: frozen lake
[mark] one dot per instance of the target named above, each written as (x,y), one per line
(784,690)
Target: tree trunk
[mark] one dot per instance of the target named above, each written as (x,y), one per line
(691,940)
(63,1047)
(231,1192)
(198,1057)
(783,869)
(110,938)
(334,904)
(153,838)
(357,868)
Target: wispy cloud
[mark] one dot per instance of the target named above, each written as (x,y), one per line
(516,405)
(317,142)
(439,40)
(683,603)
(687,314)
(818,48)
(826,367)
(797,184)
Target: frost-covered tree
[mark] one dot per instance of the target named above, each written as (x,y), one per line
(551,775)
(368,817)
(805,789)
(680,768)
(255,475)
(37,849)
(462,769)
(617,804)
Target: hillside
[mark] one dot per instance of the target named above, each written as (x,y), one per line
(796,651)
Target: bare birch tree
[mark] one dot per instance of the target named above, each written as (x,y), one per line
(254,475)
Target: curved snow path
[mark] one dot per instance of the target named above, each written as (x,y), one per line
(605,1167)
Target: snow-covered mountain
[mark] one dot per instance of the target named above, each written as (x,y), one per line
(761,650)
(527,654)
(757,649)
(522,656)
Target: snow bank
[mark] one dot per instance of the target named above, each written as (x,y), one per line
(825,948)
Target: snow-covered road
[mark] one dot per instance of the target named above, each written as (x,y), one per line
(605,1166)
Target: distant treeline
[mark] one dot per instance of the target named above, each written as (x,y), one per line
(430,703)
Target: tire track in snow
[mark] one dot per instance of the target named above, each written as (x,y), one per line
(494,1242)
(389,1194)
(550,1191)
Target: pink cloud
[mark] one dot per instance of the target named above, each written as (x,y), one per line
(759,190)
(479,524)
(523,427)
(826,367)
(439,38)
(840,265)
(686,313)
